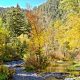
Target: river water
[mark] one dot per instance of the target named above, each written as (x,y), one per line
(21,74)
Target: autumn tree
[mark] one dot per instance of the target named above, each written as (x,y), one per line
(69,6)
(36,31)
(4,39)
(67,34)
(36,44)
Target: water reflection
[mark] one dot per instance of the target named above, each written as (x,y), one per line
(64,67)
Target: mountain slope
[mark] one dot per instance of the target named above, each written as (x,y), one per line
(48,11)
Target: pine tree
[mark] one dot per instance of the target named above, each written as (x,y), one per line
(16,21)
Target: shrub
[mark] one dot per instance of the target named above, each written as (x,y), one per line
(3,76)
(36,62)
(6,73)
(9,52)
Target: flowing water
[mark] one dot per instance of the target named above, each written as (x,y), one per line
(57,72)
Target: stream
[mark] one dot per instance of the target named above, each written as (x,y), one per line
(21,74)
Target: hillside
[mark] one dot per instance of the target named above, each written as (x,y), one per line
(2,10)
(48,11)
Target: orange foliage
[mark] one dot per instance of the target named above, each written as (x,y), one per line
(36,31)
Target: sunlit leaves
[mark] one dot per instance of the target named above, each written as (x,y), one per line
(68,31)
(70,5)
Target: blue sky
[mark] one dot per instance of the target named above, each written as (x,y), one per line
(22,3)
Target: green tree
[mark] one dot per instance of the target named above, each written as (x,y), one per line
(16,21)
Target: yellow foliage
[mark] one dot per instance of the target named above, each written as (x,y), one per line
(69,31)
(23,37)
(69,5)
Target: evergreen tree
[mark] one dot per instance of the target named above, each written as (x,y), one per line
(16,21)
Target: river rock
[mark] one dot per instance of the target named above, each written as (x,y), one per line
(55,75)
(69,79)
(27,76)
